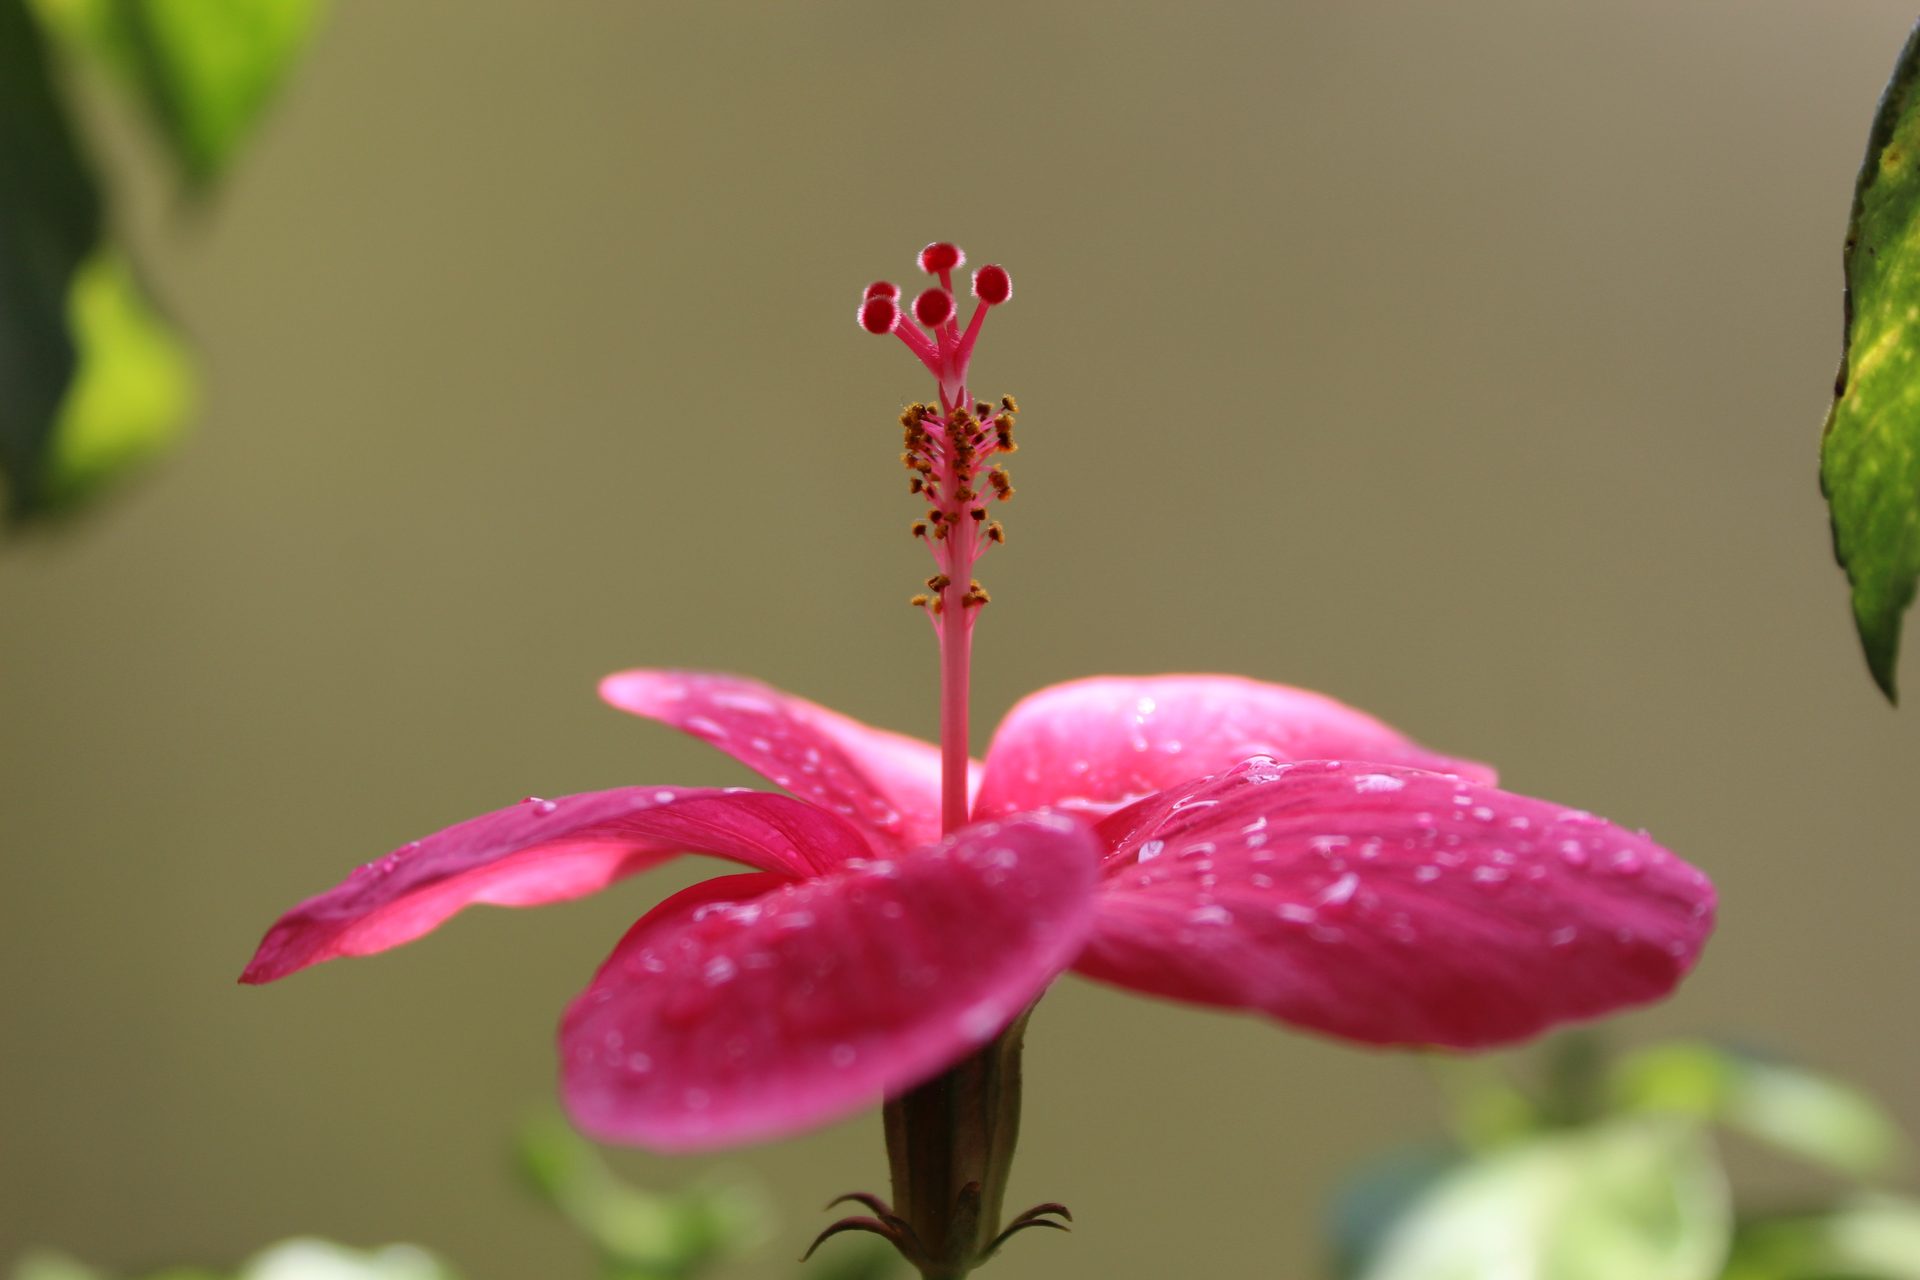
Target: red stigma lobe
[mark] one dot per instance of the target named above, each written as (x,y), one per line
(879,314)
(992,285)
(933,308)
(941,256)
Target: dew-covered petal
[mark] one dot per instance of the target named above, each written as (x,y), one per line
(887,783)
(715,1025)
(1097,744)
(547,851)
(1390,905)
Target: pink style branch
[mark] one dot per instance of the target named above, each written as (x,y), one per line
(902,907)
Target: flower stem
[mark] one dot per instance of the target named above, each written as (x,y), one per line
(950,1141)
(956,657)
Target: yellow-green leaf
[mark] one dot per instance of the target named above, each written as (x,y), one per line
(1638,1197)
(131,394)
(204,69)
(1802,1112)
(1870,453)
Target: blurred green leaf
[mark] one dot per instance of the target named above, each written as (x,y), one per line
(131,395)
(1804,1113)
(49,225)
(866,1259)
(1875,1239)
(1364,1212)
(1870,451)
(639,1235)
(204,69)
(1640,1197)
(1484,1109)
(309,1259)
(52,1266)
(298,1259)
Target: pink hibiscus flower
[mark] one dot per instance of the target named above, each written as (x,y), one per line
(1205,838)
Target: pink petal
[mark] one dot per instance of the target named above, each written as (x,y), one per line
(547,851)
(1094,745)
(1391,906)
(807,1001)
(885,782)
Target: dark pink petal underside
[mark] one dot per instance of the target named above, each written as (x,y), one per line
(714,1025)
(547,851)
(885,782)
(1094,745)
(1391,906)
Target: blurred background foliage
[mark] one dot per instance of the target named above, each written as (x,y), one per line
(94,379)
(1493,421)
(683,1234)
(1561,1164)
(1597,1169)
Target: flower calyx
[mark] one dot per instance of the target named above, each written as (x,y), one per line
(898,1232)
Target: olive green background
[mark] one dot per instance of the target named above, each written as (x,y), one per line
(1464,361)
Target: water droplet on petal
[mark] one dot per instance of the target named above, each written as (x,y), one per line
(981,1021)
(1340,892)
